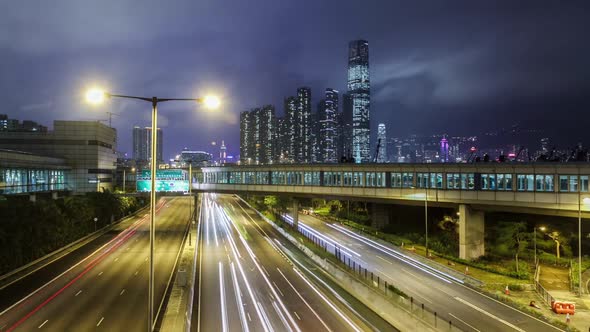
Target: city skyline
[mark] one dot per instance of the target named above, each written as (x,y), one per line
(491,63)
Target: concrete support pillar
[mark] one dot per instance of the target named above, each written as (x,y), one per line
(379,215)
(471,232)
(54,195)
(295,214)
(33,198)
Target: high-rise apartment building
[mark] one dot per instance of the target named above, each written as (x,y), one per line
(328,141)
(291,129)
(382,139)
(257,136)
(7,124)
(246,138)
(303,137)
(359,90)
(142,144)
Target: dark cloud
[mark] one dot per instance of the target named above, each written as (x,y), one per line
(453,63)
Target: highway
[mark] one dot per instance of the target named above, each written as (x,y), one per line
(107,289)
(252,279)
(448,296)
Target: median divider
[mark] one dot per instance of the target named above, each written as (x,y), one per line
(398,309)
(178,310)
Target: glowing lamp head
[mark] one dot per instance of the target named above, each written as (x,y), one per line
(95,96)
(211,102)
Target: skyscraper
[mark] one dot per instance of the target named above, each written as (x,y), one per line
(291,129)
(359,90)
(142,144)
(346,125)
(328,128)
(444,150)
(382,138)
(222,153)
(246,138)
(303,139)
(257,134)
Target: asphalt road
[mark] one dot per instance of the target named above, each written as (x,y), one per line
(107,289)
(470,310)
(253,279)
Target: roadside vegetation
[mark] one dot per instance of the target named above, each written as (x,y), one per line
(31,230)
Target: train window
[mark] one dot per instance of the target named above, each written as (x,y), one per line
(407,180)
(584,183)
(573,183)
(396,180)
(563,183)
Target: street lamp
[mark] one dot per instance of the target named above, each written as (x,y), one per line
(542,228)
(586,201)
(97,96)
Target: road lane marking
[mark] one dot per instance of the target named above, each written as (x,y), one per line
(100,273)
(116,259)
(473,306)
(249,318)
(283,295)
(45,322)
(464,322)
(295,312)
(123,291)
(100,321)
(80,291)
(385,274)
(136,272)
(237,292)
(384,259)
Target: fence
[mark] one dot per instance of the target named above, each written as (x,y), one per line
(548,298)
(378,282)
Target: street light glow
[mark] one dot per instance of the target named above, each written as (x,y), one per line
(211,102)
(95,96)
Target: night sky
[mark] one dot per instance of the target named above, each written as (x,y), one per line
(456,67)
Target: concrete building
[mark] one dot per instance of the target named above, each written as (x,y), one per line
(24,172)
(303,136)
(87,148)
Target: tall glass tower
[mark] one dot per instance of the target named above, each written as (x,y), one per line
(359,90)
(382,137)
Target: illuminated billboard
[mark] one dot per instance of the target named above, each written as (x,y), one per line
(166,180)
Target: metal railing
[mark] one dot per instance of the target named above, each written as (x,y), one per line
(547,297)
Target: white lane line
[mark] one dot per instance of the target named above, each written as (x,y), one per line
(101,272)
(116,259)
(385,274)
(100,321)
(136,272)
(384,259)
(80,291)
(295,312)
(224,322)
(489,315)
(410,273)
(239,301)
(249,318)
(283,295)
(464,322)
(123,291)
(146,259)
(45,322)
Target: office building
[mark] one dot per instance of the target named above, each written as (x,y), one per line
(346,125)
(87,149)
(142,144)
(222,153)
(359,90)
(382,141)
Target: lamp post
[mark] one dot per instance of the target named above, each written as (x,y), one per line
(426,216)
(586,200)
(542,228)
(97,96)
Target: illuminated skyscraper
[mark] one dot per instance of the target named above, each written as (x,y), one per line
(382,138)
(328,128)
(303,137)
(257,136)
(290,129)
(359,90)
(222,153)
